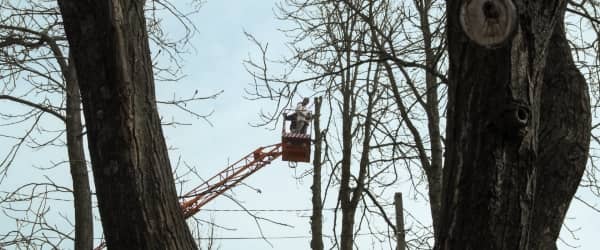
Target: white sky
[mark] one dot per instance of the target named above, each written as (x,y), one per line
(216,64)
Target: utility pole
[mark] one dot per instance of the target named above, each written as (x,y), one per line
(401,244)
(316,219)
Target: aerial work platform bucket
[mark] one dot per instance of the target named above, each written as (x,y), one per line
(295,146)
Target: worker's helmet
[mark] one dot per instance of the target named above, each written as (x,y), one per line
(305,100)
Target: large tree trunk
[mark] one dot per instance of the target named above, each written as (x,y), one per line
(564,137)
(134,184)
(316,219)
(493,125)
(84,222)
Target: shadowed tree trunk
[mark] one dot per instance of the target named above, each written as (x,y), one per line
(134,184)
(499,125)
(316,219)
(564,137)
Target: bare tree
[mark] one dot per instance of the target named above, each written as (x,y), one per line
(427,47)
(135,188)
(348,72)
(31,36)
(514,122)
(408,39)
(408,51)
(34,50)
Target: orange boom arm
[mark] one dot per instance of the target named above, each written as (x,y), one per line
(228,178)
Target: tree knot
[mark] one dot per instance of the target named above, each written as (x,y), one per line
(489,23)
(514,120)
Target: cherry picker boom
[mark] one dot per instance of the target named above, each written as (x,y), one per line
(228,178)
(294,147)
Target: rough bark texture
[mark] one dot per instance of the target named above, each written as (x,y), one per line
(564,137)
(316,219)
(492,132)
(135,188)
(82,199)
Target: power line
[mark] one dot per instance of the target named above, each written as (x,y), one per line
(256,238)
(257,210)
(276,210)
(277,237)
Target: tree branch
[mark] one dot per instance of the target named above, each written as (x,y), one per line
(34,105)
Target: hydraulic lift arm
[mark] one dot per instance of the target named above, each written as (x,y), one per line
(225,180)
(228,178)
(294,147)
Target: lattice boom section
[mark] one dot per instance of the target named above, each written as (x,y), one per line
(228,178)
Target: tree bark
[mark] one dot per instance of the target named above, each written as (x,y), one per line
(494,102)
(316,219)
(434,170)
(564,138)
(84,222)
(134,183)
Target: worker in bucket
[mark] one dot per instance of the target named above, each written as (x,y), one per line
(300,118)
